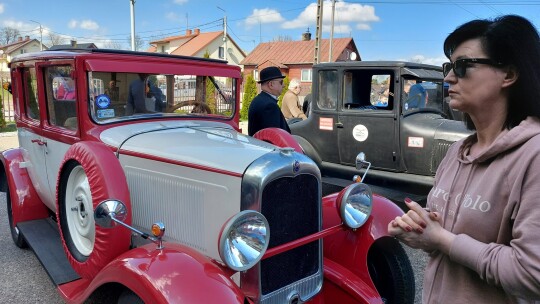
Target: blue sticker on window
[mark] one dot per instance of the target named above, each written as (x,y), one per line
(103,101)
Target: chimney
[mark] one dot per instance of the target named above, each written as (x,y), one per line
(26,37)
(197,31)
(188,32)
(306,36)
(73,43)
(19,39)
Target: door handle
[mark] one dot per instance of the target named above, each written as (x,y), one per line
(339,125)
(39,142)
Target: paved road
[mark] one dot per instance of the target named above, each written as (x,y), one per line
(23,280)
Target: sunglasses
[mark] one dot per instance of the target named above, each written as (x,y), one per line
(279,81)
(460,66)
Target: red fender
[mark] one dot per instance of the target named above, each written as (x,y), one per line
(25,202)
(278,137)
(107,181)
(175,274)
(350,248)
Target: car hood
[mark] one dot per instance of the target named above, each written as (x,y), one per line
(207,144)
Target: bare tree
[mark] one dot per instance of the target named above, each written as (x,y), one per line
(56,39)
(282,38)
(8,35)
(115,45)
(139,43)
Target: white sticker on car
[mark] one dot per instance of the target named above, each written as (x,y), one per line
(360,132)
(105,113)
(415,142)
(326,123)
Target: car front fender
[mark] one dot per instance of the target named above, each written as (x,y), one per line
(26,204)
(175,274)
(349,248)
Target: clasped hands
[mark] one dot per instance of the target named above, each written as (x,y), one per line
(421,229)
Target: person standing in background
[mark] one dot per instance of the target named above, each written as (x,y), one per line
(290,105)
(264,111)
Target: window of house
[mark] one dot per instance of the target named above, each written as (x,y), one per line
(256,75)
(163,49)
(221,52)
(306,75)
(31,93)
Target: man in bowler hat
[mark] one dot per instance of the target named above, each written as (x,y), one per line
(264,111)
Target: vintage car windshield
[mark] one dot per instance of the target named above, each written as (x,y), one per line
(123,96)
(420,93)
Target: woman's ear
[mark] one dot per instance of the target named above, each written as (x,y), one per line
(511,76)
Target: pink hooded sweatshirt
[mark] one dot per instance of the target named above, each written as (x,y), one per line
(492,203)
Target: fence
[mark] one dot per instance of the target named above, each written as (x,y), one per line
(7,102)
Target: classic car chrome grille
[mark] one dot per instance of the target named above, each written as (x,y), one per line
(180,205)
(438,153)
(286,188)
(290,206)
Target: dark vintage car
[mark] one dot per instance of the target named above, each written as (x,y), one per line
(394,112)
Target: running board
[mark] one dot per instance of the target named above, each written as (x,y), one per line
(44,239)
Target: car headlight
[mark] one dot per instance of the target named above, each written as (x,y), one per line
(355,205)
(244,240)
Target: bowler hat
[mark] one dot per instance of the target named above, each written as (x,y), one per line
(270,73)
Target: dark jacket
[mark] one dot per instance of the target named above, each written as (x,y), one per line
(265,113)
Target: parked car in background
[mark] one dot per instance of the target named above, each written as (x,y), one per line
(394,112)
(169,206)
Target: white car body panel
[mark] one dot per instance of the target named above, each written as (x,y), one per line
(197,143)
(194,188)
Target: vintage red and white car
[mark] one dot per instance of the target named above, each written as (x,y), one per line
(127,192)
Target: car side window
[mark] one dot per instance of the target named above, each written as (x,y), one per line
(31,93)
(367,90)
(328,90)
(61,97)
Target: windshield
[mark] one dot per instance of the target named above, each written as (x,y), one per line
(419,94)
(123,96)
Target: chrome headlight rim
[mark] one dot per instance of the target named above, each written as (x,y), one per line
(225,248)
(356,205)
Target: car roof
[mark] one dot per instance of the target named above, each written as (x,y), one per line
(375,64)
(73,53)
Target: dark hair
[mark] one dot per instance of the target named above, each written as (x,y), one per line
(513,41)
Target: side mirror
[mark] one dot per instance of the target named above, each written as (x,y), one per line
(361,162)
(108,213)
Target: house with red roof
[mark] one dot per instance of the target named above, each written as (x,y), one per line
(195,43)
(20,46)
(295,58)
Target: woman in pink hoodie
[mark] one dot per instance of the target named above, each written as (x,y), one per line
(483,229)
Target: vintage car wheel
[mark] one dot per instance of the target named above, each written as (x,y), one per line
(392,273)
(129,297)
(90,174)
(17,237)
(77,213)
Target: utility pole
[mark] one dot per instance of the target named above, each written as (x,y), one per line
(332,31)
(224,34)
(132,24)
(318,32)
(40,34)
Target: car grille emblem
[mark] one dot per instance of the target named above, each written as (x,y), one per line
(296,166)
